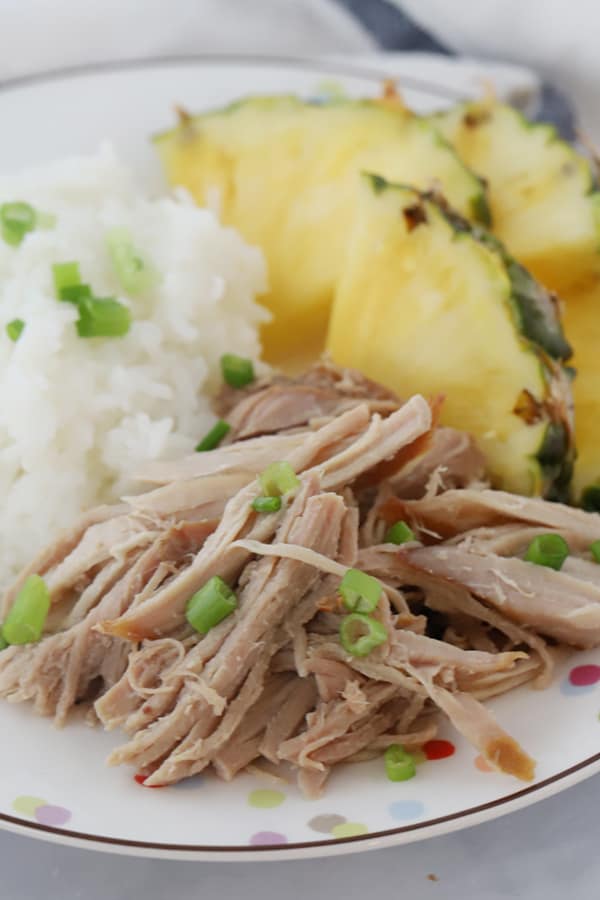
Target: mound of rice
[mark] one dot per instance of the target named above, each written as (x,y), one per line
(77,415)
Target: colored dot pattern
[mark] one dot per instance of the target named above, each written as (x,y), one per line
(263,799)
(584,676)
(580,680)
(27,805)
(349,829)
(267,838)
(438,749)
(326,823)
(42,812)
(52,815)
(406,810)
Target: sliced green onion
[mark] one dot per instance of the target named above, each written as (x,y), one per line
(214,437)
(360,592)
(133,273)
(65,275)
(595,550)
(237,371)
(549,550)
(98,316)
(278,479)
(15,328)
(25,621)
(75,293)
(266,504)
(590,499)
(210,605)
(16,219)
(102,318)
(399,533)
(359,634)
(399,765)
(44,220)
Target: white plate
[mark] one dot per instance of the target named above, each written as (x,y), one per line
(54,784)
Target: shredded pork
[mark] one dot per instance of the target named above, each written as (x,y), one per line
(465,616)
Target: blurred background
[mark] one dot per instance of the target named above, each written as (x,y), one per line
(556,39)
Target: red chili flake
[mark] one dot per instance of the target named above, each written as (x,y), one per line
(141,779)
(438,749)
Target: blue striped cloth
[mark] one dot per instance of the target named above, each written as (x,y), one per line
(394,30)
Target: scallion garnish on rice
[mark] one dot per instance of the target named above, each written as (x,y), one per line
(134,274)
(98,317)
(66,276)
(14,329)
(102,318)
(16,219)
(19,218)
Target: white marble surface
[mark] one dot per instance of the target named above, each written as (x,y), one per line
(546,852)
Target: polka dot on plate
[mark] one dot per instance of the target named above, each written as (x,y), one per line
(349,829)
(27,805)
(404,810)
(584,676)
(264,838)
(482,764)
(42,812)
(438,749)
(52,815)
(580,680)
(264,799)
(326,822)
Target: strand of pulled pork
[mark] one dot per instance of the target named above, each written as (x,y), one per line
(105,532)
(53,554)
(458,511)
(379,440)
(251,456)
(127,707)
(422,659)
(385,561)
(165,610)
(284,702)
(56,672)
(275,587)
(556,603)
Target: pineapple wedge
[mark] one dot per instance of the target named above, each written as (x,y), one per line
(544,202)
(582,325)
(427,303)
(286,172)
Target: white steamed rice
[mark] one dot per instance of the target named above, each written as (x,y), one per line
(77,416)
